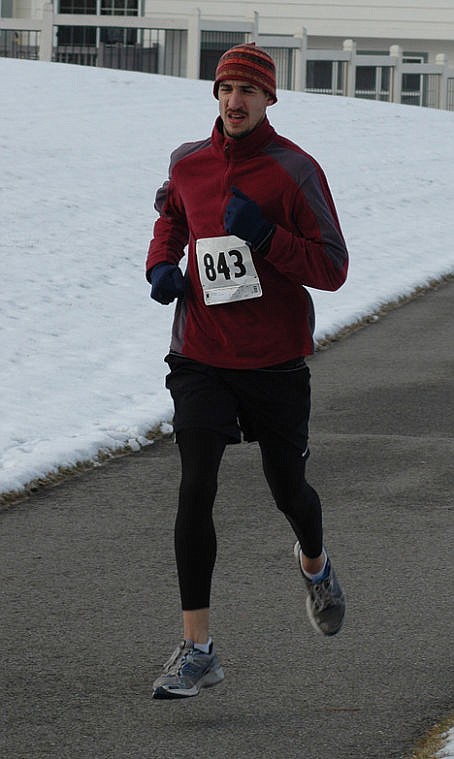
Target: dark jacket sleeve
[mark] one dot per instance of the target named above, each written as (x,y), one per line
(315,255)
(170,233)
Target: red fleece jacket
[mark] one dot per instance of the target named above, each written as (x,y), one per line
(307,247)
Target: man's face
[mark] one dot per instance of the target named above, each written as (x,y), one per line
(242,106)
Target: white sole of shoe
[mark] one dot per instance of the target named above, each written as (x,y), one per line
(210,679)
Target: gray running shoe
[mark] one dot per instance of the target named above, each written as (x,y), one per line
(187,671)
(325,603)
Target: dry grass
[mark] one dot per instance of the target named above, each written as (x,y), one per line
(13,497)
(433,742)
(386,308)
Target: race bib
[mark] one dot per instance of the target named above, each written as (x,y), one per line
(226,269)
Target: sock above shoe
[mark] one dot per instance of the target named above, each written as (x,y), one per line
(324,572)
(204,647)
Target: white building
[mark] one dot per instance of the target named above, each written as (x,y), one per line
(358,47)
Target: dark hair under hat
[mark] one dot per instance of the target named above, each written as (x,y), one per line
(248,63)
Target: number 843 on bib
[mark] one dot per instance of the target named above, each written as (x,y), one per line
(226,270)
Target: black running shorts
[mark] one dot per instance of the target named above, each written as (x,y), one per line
(252,403)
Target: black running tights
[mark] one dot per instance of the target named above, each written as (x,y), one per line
(201,451)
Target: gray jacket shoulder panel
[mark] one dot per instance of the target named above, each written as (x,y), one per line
(296,163)
(187,149)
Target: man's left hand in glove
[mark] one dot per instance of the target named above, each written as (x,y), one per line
(244,219)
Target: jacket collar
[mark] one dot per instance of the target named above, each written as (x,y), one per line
(244,147)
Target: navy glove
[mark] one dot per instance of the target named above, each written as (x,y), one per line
(244,219)
(167,283)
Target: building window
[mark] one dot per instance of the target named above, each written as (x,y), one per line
(325,77)
(414,85)
(77,35)
(119,7)
(77,6)
(87,36)
(373,82)
(111,36)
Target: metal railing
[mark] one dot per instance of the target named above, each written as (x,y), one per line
(190,45)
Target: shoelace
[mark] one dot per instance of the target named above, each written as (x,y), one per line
(322,594)
(177,660)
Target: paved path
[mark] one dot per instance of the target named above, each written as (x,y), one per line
(89,594)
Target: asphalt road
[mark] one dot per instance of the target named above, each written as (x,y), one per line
(89,602)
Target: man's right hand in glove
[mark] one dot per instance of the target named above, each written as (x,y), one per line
(167,283)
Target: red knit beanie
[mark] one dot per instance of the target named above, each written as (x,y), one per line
(247,63)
